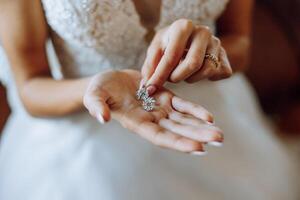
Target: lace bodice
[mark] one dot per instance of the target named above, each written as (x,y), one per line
(94,35)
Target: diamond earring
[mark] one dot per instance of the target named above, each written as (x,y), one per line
(148,102)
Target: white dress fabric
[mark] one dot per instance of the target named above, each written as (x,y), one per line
(76,158)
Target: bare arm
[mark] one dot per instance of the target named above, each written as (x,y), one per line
(234,28)
(23,33)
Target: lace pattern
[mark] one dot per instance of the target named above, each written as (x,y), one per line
(100,24)
(204,12)
(94,35)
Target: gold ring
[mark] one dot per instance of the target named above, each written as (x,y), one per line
(212,58)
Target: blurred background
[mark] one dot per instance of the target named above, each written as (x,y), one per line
(274,70)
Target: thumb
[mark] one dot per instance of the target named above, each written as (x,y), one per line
(96,104)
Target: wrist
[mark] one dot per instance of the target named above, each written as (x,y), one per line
(82,85)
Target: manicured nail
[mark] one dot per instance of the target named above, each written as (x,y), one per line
(210,122)
(210,118)
(199,153)
(215,144)
(100,119)
(142,83)
(151,89)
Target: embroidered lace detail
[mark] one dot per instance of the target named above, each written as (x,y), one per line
(94,35)
(204,12)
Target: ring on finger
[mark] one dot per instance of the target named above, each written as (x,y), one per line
(212,58)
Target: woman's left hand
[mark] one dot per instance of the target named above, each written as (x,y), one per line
(184,51)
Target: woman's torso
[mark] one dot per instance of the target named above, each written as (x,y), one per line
(94,35)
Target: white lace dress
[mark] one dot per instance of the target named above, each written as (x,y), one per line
(76,158)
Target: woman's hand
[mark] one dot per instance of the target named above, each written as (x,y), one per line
(174,123)
(183,51)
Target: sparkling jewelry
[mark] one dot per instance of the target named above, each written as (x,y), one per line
(148,102)
(142,93)
(212,58)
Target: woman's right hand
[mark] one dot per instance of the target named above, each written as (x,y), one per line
(174,123)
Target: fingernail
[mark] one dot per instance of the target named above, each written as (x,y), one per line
(151,89)
(210,122)
(210,118)
(100,119)
(142,83)
(199,153)
(215,144)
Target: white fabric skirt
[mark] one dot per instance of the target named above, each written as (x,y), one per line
(76,158)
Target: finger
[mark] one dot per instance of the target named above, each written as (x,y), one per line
(224,70)
(96,103)
(195,56)
(192,121)
(202,133)
(185,119)
(159,114)
(154,54)
(209,68)
(178,37)
(187,107)
(167,139)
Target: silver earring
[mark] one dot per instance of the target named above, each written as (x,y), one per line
(148,102)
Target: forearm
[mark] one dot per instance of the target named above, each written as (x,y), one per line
(238,49)
(46,97)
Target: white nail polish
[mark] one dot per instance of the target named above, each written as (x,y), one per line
(100,119)
(215,144)
(142,83)
(199,153)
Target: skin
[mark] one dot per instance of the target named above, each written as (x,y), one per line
(24,34)
(177,52)
(175,123)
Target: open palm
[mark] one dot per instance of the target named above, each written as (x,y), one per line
(174,123)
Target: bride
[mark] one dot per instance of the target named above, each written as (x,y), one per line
(52,149)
